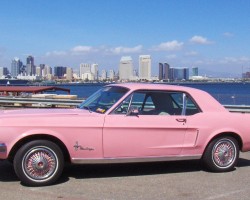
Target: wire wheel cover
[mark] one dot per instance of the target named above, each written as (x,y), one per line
(224,153)
(40,163)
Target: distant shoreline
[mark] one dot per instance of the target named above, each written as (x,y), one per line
(16,82)
(170,83)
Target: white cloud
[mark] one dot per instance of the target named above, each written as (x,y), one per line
(120,49)
(56,53)
(169,46)
(200,40)
(228,34)
(81,50)
(240,60)
(77,50)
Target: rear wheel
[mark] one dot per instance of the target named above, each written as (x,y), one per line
(221,154)
(39,163)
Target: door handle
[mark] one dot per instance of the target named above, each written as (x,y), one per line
(181,120)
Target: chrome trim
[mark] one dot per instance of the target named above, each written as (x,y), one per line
(132,160)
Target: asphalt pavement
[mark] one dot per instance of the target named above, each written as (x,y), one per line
(182,180)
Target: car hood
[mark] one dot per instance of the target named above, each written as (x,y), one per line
(27,119)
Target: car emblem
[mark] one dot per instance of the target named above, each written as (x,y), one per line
(79,147)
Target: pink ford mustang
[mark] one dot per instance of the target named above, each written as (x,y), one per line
(123,123)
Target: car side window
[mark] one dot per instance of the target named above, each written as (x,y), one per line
(185,102)
(157,103)
(138,100)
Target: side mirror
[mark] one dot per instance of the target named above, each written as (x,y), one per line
(133,111)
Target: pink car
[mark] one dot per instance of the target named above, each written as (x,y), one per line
(123,123)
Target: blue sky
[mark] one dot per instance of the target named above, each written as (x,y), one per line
(213,35)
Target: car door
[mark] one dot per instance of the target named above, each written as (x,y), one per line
(138,128)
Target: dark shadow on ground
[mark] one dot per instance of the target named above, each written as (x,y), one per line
(138,169)
(135,169)
(243,162)
(7,173)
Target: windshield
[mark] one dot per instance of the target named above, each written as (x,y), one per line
(103,99)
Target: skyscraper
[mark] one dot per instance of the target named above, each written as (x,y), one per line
(195,71)
(126,68)
(164,71)
(46,71)
(145,67)
(84,68)
(30,66)
(69,73)
(16,66)
(104,74)
(111,74)
(89,70)
(179,73)
(38,71)
(42,67)
(94,71)
(59,71)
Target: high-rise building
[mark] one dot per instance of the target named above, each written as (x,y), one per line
(179,74)
(195,71)
(145,67)
(85,68)
(104,74)
(160,71)
(30,66)
(69,73)
(126,68)
(59,71)
(89,71)
(5,71)
(16,66)
(164,71)
(94,71)
(111,74)
(38,71)
(186,73)
(41,66)
(46,71)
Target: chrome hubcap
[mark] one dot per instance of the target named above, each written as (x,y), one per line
(40,163)
(224,153)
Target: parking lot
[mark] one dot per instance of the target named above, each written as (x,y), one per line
(167,180)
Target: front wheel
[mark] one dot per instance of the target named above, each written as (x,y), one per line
(39,163)
(221,154)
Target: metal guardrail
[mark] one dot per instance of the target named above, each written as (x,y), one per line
(238,108)
(37,102)
(41,102)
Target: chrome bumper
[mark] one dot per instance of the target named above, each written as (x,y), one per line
(3,151)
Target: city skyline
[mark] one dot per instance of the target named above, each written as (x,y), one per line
(211,35)
(91,72)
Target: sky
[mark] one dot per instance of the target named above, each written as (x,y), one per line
(213,35)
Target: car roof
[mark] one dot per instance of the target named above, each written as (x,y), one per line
(205,101)
(153,86)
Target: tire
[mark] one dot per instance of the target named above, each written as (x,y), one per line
(39,163)
(222,154)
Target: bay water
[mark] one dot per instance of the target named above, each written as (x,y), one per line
(225,93)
